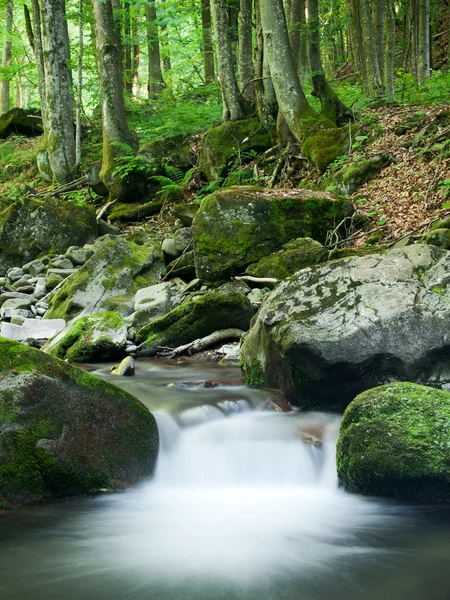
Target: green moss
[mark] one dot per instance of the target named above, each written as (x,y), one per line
(253,372)
(323,146)
(348,180)
(135,211)
(339,253)
(438,237)
(232,139)
(394,441)
(196,319)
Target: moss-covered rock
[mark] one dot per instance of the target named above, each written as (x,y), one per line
(173,150)
(117,269)
(296,255)
(323,146)
(232,140)
(133,211)
(347,180)
(32,227)
(339,253)
(236,227)
(438,237)
(64,431)
(394,441)
(20,122)
(92,339)
(195,319)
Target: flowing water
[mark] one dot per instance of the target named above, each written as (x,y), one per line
(239,508)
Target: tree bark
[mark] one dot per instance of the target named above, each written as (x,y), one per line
(6,58)
(115,129)
(79,87)
(424,70)
(39,54)
(127,44)
(378,8)
(389,51)
(245,64)
(266,102)
(136,57)
(331,106)
(371,55)
(233,103)
(155,78)
(207,45)
(60,134)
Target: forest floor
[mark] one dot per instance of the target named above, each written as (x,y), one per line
(405,198)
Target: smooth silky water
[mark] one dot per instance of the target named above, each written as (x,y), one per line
(239,508)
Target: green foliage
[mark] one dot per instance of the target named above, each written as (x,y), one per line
(128,163)
(173,186)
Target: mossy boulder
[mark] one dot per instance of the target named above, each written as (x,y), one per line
(348,180)
(32,227)
(339,253)
(331,331)
(438,237)
(295,255)
(238,226)
(195,319)
(109,279)
(231,142)
(323,146)
(133,211)
(172,150)
(394,442)
(65,432)
(20,122)
(92,339)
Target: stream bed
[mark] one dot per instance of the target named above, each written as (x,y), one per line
(239,508)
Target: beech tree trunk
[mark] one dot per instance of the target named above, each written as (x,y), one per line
(116,134)
(331,106)
(266,102)
(6,58)
(233,103)
(245,64)
(389,50)
(155,78)
(424,69)
(207,44)
(378,8)
(127,46)
(60,134)
(370,49)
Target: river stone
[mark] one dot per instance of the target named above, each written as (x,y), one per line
(394,441)
(32,227)
(15,304)
(16,296)
(195,319)
(62,263)
(94,338)
(109,279)
(79,256)
(235,227)
(34,268)
(65,432)
(330,332)
(150,303)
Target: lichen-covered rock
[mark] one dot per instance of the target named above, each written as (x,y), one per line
(195,319)
(238,226)
(221,144)
(295,255)
(91,339)
(20,122)
(332,331)
(394,441)
(65,432)
(109,279)
(32,227)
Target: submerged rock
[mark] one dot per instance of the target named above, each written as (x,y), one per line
(65,432)
(332,331)
(394,441)
(238,226)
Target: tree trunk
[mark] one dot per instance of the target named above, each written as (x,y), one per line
(207,45)
(135,59)
(266,102)
(378,29)
(79,87)
(233,103)
(389,51)
(128,75)
(155,78)
(6,58)
(331,107)
(245,64)
(359,53)
(424,70)
(115,129)
(39,53)
(372,66)
(60,134)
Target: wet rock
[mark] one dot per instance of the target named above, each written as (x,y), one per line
(126,368)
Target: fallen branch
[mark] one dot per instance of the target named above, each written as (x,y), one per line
(421,226)
(68,187)
(269,280)
(175,262)
(104,208)
(203,343)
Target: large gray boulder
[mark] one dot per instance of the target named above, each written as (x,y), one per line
(32,227)
(237,226)
(64,431)
(332,331)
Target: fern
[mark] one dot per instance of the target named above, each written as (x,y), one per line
(174,185)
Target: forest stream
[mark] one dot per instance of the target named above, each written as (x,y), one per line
(239,508)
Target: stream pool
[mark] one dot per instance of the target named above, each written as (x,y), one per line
(239,508)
